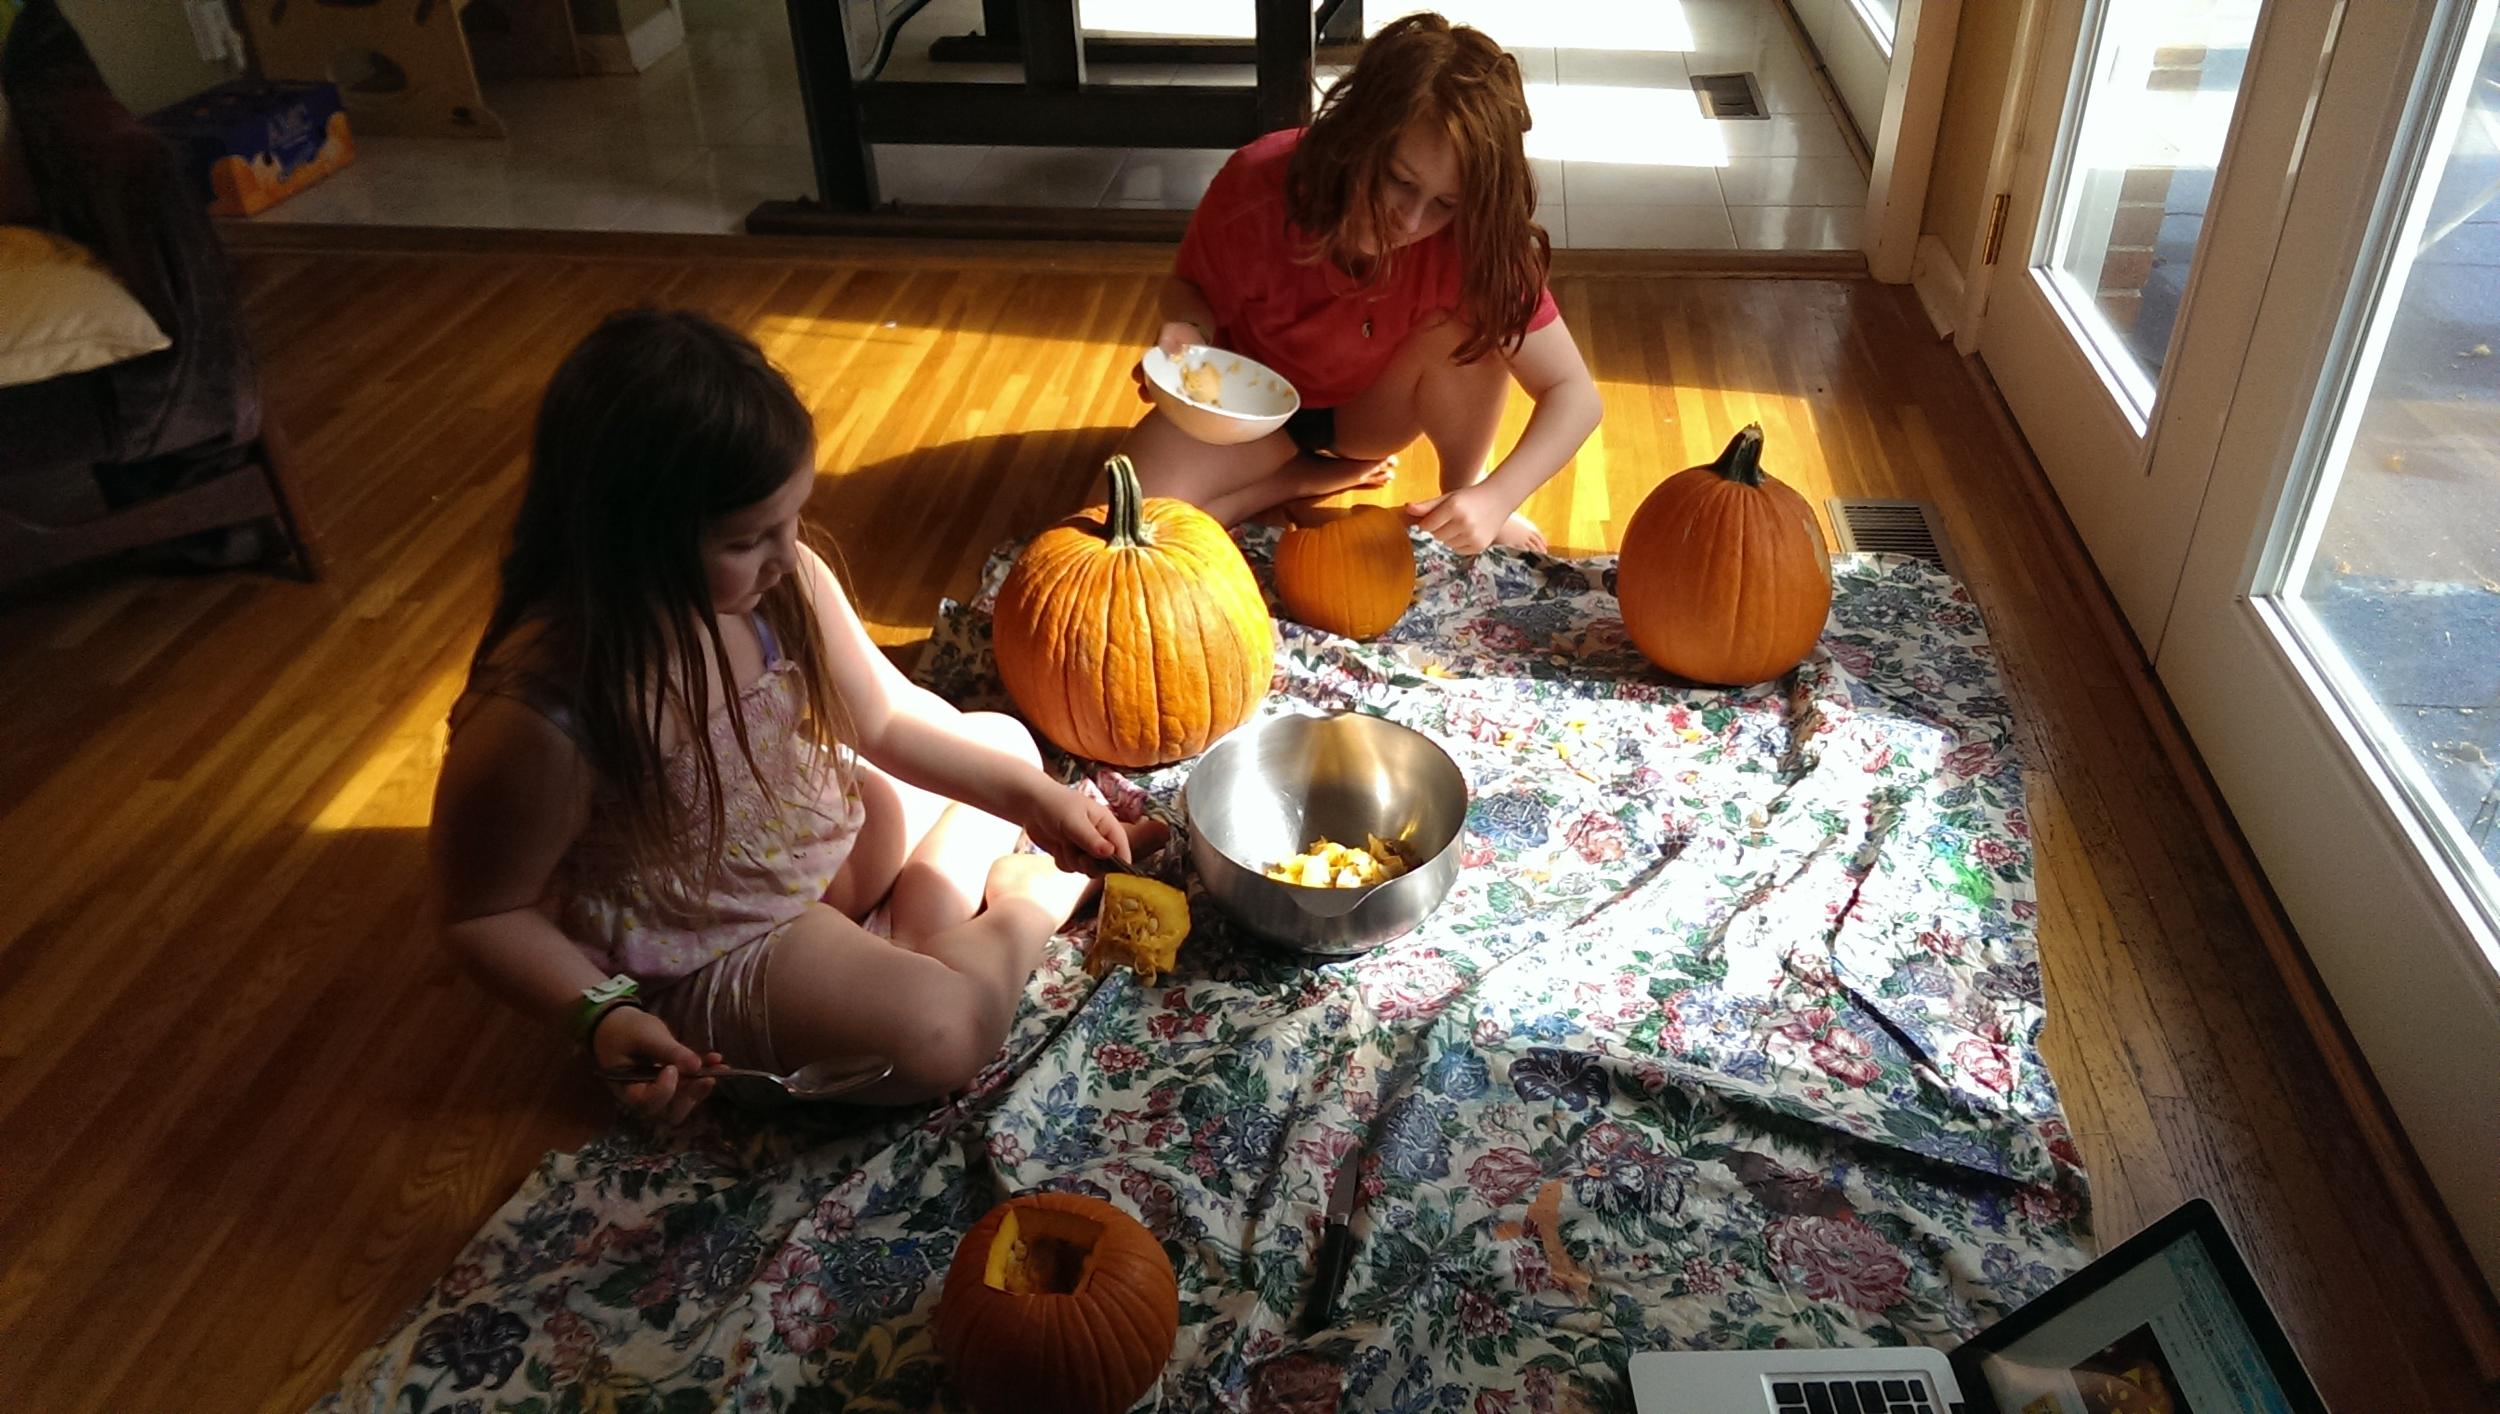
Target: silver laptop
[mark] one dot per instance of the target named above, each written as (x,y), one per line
(2171,1321)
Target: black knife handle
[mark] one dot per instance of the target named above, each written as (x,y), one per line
(1328,1274)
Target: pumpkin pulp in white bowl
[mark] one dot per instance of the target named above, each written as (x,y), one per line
(1217,396)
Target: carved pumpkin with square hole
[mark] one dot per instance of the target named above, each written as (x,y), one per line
(1057,1303)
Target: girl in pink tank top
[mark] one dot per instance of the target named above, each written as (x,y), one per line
(684,783)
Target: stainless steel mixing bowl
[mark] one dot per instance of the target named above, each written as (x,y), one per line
(1263,793)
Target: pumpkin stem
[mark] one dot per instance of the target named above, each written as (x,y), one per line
(1125,520)
(1742,461)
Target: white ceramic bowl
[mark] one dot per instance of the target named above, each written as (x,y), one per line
(1256,401)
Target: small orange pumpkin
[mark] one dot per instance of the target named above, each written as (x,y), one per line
(1724,577)
(1057,1303)
(1352,573)
(1134,633)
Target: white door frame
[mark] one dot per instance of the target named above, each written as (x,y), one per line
(1905,140)
(1956,299)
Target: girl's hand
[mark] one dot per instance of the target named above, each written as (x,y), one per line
(1075,828)
(1176,335)
(1466,520)
(630,1036)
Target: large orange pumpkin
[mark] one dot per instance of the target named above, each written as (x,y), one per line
(1134,633)
(1724,576)
(1057,1303)
(1351,573)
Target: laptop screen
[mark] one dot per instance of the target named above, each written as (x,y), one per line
(2173,1327)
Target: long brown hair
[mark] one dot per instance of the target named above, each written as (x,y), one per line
(659,422)
(1423,69)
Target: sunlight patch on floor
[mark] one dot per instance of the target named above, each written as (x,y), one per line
(1646,127)
(391,788)
(1582,24)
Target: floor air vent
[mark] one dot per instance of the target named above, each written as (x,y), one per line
(1892,528)
(1728,96)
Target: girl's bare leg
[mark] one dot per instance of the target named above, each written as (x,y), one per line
(938,1012)
(925,857)
(937,1005)
(1455,406)
(1235,483)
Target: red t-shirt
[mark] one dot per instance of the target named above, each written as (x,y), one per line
(1311,322)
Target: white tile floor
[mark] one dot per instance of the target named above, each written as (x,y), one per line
(1624,158)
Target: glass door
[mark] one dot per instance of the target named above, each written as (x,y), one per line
(2144,209)
(2390,578)
(2152,112)
(2335,648)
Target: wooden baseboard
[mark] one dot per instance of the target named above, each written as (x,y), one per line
(1030,223)
(883,251)
(872,240)
(1746,264)
(2452,1273)
(1938,282)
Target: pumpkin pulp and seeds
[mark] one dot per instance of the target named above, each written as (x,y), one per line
(1330,865)
(1040,1253)
(1200,383)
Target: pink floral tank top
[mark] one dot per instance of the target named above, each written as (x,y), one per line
(778,856)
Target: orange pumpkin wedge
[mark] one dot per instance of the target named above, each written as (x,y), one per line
(1142,923)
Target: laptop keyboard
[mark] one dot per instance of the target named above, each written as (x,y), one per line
(1817,1395)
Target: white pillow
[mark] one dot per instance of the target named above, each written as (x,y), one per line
(61,312)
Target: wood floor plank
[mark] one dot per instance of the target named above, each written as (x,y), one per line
(249,1110)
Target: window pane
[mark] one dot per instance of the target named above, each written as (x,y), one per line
(2156,107)
(2404,574)
(1883,17)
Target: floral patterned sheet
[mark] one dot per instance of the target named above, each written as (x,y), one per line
(1726,1036)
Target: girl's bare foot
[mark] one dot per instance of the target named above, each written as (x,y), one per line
(1033,880)
(1520,533)
(1348,475)
(1314,477)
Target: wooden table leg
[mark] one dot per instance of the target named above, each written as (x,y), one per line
(1054,48)
(295,520)
(846,169)
(1285,44)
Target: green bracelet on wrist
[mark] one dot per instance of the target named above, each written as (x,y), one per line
(598,1000)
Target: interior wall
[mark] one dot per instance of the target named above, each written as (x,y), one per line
(1859,67)
(145,50)
(1957,186)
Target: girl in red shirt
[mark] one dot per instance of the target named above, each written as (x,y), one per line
(1385,261)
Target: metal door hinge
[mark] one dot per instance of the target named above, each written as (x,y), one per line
(1996,228)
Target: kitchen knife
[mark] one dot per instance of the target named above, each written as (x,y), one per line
(1336,1249)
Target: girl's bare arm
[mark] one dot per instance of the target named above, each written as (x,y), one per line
(918,737)
(1548,366)
(513,796)
(1184,303)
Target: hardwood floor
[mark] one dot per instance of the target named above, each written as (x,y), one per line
(249,1110)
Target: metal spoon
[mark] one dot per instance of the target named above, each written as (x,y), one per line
(820,1080)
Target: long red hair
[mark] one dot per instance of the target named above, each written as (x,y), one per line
(1423,69)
